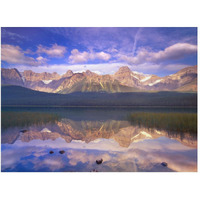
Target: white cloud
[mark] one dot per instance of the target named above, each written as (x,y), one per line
(14,36)
(15,55)
(175,67)
(174,52)
(103,68)
(137,35)
(53,51)
(82,57)
(154,68)
(41,59)
(77,57)
(101,56)
(146,67)
(112,50)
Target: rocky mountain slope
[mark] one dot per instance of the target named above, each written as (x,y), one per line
(124,80)
(11,77)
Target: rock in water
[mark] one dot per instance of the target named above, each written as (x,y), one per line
(94,170)
(51,152)
(164,164)
(99,161)
(23,131)
(62,152)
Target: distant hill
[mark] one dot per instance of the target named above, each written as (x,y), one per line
(124,80)
(17,95)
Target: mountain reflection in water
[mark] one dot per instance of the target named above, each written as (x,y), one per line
(122,146)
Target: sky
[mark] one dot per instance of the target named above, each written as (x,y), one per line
(160,51)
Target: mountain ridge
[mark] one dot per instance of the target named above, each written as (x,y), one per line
(124,80)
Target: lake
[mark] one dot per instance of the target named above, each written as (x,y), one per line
(59,139)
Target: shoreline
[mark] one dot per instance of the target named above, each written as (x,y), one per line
(54,106)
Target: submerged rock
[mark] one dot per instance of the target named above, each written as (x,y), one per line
(94,170)
(62,152)
(23,131)
(51,152)
(99,161)
(164,164)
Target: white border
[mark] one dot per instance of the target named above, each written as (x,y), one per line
(106,13)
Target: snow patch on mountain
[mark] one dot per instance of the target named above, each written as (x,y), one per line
(135,76)
(140,73)
(157,81)
(23,79)
(46,81)
(78,141)
(145,79)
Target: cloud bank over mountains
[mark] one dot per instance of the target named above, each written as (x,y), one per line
(99,49)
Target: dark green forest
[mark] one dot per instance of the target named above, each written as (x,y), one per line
(19,96)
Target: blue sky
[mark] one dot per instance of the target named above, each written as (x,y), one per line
(160,51)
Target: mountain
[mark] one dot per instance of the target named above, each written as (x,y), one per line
(44,76)
(183,80)
(126,77)
(68,73)
(124,80)
(91,82)
(11,77)
(40,81)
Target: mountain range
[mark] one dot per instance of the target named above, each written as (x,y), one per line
(124,80)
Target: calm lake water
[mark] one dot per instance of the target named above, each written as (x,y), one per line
(85,135)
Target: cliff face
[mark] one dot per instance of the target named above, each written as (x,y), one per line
(126,77)
(11,77)
(68,74)
(44,76)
